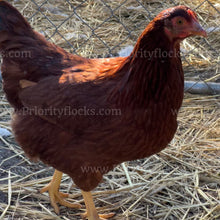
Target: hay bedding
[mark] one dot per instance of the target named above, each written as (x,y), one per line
(181,182)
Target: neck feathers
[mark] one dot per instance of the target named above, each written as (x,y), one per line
(151,69)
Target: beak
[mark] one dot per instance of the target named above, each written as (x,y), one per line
(197,29)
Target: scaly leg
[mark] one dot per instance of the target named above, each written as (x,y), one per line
(55,195)
(91,212)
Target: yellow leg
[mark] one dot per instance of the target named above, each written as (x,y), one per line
(91,212)
(55,195)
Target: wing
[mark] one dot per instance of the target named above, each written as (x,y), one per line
(66,101)
(81,91)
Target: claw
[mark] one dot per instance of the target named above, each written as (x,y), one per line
(91,212)
(55,195)
(100,216)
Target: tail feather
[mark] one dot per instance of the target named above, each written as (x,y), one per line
(26,54)
(20,49)
(11,19)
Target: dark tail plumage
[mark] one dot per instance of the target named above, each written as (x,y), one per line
(11,19)
(25,53)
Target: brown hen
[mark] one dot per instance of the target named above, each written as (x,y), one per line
(85,116)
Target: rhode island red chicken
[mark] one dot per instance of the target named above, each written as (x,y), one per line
(85,116)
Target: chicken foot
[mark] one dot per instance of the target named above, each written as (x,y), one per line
(55,195)
(91,212)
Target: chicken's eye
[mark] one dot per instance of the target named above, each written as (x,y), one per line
(179,21)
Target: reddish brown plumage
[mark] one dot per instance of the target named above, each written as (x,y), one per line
(146,93)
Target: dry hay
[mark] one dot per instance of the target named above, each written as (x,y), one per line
(181,182)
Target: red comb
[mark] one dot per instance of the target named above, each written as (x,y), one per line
(192,14)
